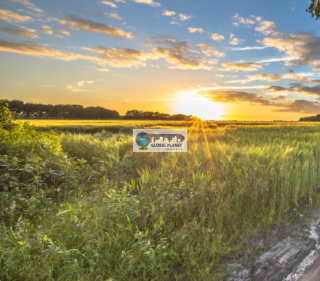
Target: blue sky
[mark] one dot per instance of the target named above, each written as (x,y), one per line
(245,60)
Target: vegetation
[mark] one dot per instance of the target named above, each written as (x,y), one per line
(84,207)
(311,118)
(314,8)
(75,111)
(60,111)
(126,126)
(150,115)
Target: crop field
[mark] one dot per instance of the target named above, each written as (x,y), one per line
(83,206)
(126,126)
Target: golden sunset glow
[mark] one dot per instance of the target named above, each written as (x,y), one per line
(200,106)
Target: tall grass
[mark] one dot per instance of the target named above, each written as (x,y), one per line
(162,216)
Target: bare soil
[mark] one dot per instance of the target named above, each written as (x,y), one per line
(288,253)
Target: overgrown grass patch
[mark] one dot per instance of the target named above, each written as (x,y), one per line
(84,207)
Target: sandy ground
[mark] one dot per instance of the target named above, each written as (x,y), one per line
(288,253)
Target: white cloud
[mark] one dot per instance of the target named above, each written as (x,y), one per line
(184,17)
(149,2)
(236,41)
(193,30)
(213,53)
(109,4)
(267,28)
(174,22)
(168,13)
(114,15)
(242,20)
(248,48)
(217,37)
(257,18)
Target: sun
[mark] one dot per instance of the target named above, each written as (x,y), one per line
(200,106)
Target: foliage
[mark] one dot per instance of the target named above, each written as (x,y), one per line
(61,111)
(315,118)
(75,111)
(150,115)
(138,216)
(6,117)
(314,9)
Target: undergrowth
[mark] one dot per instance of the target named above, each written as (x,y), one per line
(84,207)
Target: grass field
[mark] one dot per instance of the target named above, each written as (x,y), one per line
(126,126)
(84,207)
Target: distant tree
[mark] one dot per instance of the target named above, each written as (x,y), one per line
(310,118)
(29,110)
(314,9)
(15,106)
(149,115)
(48,110)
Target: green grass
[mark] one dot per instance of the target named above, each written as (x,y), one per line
(84,207)
(126,126)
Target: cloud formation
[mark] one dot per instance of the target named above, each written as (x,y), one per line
(305,48)
(46,29)
(32,49)
(109,4)
(217,37)
(253,99)
(19,31)
(168,13)
(213,53)
(278,97)
(296,88)
(248,48)
(184,17)
(268,77)
(149,2)
(246,66)
(193,30)
(236,41)
(267,28)
(9,16)
(123,57)
(95,27)
(178,53)
(302,79)
(257,18)
(242,20)
(24,2)
(204,46)
(300,106)
(237,97)
(63,31)
(113,15)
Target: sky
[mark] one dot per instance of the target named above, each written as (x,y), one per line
(218,60)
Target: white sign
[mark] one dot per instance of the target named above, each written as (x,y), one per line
(160,140)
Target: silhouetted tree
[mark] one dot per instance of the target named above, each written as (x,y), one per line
(314,9)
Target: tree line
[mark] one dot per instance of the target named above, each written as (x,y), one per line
(60,111)
(75,111)
(310,118)
(150,115)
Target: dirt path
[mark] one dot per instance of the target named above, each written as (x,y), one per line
(312,273)
(287,254)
